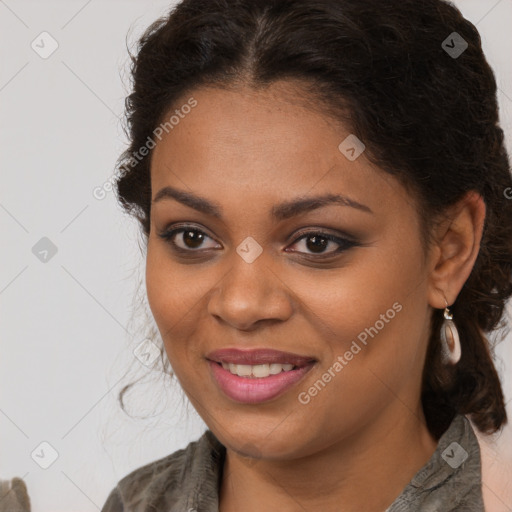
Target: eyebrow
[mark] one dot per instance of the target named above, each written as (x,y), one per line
(279,212)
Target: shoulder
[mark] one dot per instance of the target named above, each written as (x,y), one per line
(451,480)
(166,481)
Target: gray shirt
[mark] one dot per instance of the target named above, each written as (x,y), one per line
(188,480)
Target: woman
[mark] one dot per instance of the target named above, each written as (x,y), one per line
(322,187)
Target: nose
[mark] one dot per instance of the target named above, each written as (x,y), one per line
(250,294)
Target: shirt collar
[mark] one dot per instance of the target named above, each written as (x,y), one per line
(456,456)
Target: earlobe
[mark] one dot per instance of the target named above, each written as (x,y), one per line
(457,249)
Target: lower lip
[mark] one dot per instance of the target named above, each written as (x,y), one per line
(249,390)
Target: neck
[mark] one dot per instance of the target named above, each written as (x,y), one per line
(366,471)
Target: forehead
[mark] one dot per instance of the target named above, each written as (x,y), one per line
(242,134)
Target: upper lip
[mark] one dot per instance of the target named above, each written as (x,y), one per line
(258,356)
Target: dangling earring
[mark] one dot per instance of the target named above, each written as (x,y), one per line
(450,339)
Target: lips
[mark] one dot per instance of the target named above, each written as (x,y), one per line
(258,356)
(253,389)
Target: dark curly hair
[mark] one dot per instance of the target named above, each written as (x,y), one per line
(427,117)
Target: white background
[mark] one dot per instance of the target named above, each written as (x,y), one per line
(67,325)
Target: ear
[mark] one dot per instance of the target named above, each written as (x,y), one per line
(454,254)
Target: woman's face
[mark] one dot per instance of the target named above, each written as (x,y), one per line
(262,275)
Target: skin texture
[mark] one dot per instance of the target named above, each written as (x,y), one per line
(363,437)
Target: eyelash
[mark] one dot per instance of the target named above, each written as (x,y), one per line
(345,243)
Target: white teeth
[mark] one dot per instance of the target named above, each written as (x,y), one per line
(257,370)
(243,370)
(275,368)
(261,370)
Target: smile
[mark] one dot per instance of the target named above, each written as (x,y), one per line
(256,376)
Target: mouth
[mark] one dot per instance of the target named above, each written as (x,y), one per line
(255,376)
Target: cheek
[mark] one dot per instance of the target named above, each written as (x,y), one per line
(344,302)
(167,296)
(373,310)
(160,286)
(176,295)
(389,314)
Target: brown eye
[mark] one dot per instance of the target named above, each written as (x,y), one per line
(317,242)
(191,238)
